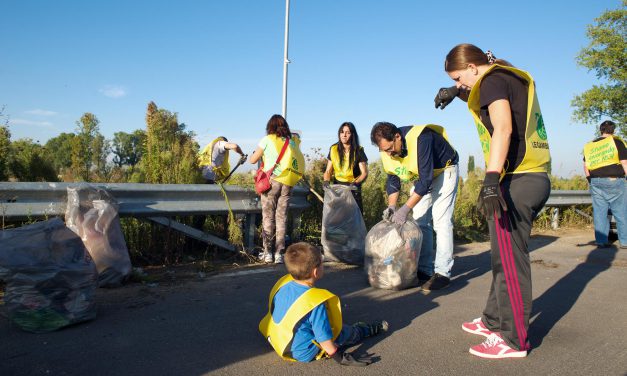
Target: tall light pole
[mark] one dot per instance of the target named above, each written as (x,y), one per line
(285,59)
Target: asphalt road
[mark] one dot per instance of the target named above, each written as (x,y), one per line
(208,325)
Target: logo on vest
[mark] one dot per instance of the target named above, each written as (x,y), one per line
(294,164)
(540,126)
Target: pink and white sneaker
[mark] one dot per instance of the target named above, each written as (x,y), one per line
(495,348)
(476,327)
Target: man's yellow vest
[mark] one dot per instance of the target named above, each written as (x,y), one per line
(291,165)
(280,334)
(343,173)
(537,157)
(204,159)
(407,168)
(601,153)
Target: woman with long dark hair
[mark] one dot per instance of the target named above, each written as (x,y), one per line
(347,163)
(286,172)
(503,103)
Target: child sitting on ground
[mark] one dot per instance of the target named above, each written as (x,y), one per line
(305,323)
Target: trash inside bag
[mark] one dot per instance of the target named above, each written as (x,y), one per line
(343,228)
(392,253)
(92,214)
(50,277)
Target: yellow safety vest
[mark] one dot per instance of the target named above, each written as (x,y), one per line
(280,334)
(291,165)
(537,157)
(407,168)
(601,153)
(343,173)
(204,159)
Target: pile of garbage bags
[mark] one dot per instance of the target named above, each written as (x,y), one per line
(392,253)
(343,227)
(50,277)
(92,214)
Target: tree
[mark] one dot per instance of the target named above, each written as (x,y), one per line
(5,144)
(471,164)
(100,151)
(128,148)
(28,161)
(170,151)
(607,56)
(59,150)
(82,146)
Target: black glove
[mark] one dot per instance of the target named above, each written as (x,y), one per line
(445,96)
(243,159)
(347,359)
(388,213)
(588,178)
(490,197)
(326,185)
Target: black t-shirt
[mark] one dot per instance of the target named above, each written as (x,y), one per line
(359,157)
(612,171)
(502,84)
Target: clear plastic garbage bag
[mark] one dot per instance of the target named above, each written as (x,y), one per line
(50,277)
(392,253)
(343,228)
(92,214)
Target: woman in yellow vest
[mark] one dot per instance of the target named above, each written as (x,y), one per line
(347,164)
(505,109)
(605,166)
(288,170)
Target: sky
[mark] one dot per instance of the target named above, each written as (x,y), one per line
(218,64)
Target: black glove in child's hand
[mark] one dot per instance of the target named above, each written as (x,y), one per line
(490,198)
(445,96)
(347,359)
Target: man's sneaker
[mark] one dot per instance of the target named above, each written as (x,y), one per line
(278,258)
(373,328)
(266,257)
(437,282)
(423,277)
(495,348)
(476,327)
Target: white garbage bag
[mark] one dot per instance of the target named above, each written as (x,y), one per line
(392,253)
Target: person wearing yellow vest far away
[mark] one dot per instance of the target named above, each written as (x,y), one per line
(214,159)
(304,323)
(605,166)
(280,153)
(423,155)
(347,163)
(503,103)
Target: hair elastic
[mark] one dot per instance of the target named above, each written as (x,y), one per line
(491,57)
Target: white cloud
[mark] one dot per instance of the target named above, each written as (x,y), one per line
(40,112)
(113,91)
(43,124)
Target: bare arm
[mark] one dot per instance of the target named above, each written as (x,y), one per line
(328,171)
(413,199)
(329,346)
(624,163)
(232,146)
(256,155)
(501,115)
(363,168)
(392,199)
(586,171)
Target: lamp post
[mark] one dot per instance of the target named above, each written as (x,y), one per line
(285,59)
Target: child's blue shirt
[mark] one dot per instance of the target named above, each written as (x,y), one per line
(314,326)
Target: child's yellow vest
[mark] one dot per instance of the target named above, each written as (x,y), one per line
(292,164)
(407,168)
(204,159)
(280,334)
(343,173)
(601,153)
(537,157)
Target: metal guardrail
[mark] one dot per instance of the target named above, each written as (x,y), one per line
(569,198)
(154,202)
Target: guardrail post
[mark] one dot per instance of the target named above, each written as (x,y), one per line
(555,218)
(250,228)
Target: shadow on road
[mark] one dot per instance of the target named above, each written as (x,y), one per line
(550,307)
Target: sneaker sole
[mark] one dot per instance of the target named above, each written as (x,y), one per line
(477,332)
(517,354)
